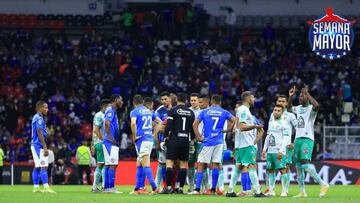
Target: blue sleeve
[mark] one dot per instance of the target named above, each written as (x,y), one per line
(201,116)
(109,115)
(153,116)
(40,123)
(132,114)
(228,115)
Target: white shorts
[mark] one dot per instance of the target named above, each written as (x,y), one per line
(39,160)
(113,157)
(143,148)
(211,154)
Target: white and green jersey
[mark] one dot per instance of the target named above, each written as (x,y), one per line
(277,136)
(306,117)
(290,121)
(246,138)
(201,125)
(225,128)
(98,121)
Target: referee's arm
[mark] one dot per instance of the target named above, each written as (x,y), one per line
(170,124)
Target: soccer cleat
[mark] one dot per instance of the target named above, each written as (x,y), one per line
(270,193)
(144,191)
(301,195)
(37,190)
(194,193)
(209,192)
(260,195)
(180,191)
(231,194)
(135,192)
(95,190)
(166,191)
(115,191)
(49,190)
(219,192)
(324,190)
(283,194)
(156,191)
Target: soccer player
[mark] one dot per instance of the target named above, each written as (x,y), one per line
(162,113)
(194,146)
(304,138)
(110,148)
(178,132)
(245,144)
(290,120)
(98,136)
(39,148)
(214,119)
(274,150)
(142,135)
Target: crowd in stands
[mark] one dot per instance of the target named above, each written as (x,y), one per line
(74,75)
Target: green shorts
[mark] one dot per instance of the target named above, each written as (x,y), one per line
(246,155)
(194,152)
(289,155)
(99,153)
(303,149)
(273,163)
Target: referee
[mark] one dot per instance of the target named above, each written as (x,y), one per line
(178,132)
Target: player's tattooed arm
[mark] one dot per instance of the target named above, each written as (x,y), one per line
(156,126)
(133,129)
(98,132)
(244,127)
(231,124)
(313,102)
(107,128)
(198,137)
(259,135)
(42,140)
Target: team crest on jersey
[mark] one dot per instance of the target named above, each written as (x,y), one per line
(42,162)
(109,114)
(39,121)
(112,160)
(306,151)
(331,36)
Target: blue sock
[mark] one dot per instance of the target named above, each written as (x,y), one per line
(163,173)
(248,181)
(36,176)
(106,178)
(244,180)
(199,177)
(44,176)
(215,177)
(139,174)
(111,178)
(148,173)
(142,182)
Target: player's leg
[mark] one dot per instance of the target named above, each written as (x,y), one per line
(289,157)
(139,169)
(270,168)
(113,162)
(36,170)
(216,160)
(246,158)
(170,158)
(44,172)
(221,185)
(145,152)
(305,157)
(98,175)
(300,174)
(251,160)
(88,172)
(183,156)
(235,175)
(203,160)
(284,177)
(191,163)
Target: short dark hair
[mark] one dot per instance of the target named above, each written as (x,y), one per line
(138,99)
(194,95)
(39,104)
(148,100)
(281,96)
(279,106)
(104,102)
(165,93)
(216,99)
(182,97)
(239,102)
(114,97)
(204,96)
(245,94)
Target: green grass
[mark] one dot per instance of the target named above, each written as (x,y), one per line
(80,194)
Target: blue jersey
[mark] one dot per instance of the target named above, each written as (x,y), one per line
(214,119)
(144,118)
(162,112)
(37,122)
(110,115)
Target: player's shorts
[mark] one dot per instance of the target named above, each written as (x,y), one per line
(38,155)
(111,154)
(99,153)
(143,148)
(289,155)
(177,149)
(246,155)
(194,151)
(211,154)
(303,149)
(273,163)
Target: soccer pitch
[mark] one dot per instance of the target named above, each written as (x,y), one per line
(79,194)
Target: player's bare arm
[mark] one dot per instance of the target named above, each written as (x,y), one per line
(107,128)
(98,133)
(292,92)
(196,130)
(259,135)
(312,101)
(42,140)
(133,129)
(244,127)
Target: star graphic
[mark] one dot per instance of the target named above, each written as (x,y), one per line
(344,53)
(338,56)
(331,57)
(323,56)
(317,53)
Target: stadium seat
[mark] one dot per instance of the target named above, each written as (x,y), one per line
(348,107)
(239,21)
(220,21)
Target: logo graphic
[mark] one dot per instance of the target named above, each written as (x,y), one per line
(112,160)
(331,36)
